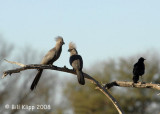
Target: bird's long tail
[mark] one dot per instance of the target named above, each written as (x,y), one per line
(36,79)
(135,79)
(80,77)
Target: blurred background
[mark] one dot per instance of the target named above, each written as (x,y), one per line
(110,36)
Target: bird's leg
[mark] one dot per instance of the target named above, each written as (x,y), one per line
(141,79)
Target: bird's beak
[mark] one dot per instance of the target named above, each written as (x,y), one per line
(69,50)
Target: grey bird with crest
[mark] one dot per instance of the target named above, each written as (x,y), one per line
(49,59)
(76,62)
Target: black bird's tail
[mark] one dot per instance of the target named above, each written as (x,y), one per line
(135,79)
(80,77)
(36,79)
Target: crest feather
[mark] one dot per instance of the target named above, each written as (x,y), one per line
(59,38)
(72,45)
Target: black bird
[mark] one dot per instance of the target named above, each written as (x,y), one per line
(138,70)
(76,62)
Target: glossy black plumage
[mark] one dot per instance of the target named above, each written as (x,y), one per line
(138,70)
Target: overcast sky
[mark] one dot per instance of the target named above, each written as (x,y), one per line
(102,29)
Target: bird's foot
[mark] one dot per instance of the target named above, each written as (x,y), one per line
(55,66)
(52,66)
(133,84)
(65,67)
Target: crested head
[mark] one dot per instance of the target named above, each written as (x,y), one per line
(59,39)
(72,48)
(72,45)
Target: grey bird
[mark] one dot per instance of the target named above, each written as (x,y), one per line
(49,59)
(138,70)
(76,62)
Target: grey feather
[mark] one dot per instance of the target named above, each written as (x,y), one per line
(49,58)
(72,45)
(80,77)
(58,38)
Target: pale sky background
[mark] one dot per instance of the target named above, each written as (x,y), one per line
(102,29)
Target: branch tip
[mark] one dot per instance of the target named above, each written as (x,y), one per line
(12,62)
(4,75)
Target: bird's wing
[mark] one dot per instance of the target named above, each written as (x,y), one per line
(49,56)
(76,62)
(135,69)
(81,61)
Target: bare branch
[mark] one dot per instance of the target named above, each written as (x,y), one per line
(64,69)
(37,66)
(131,84)
(106,92)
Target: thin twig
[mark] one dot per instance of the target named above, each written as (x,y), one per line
(12,62)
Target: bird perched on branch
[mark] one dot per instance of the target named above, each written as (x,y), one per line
(138,70)
(76,62)
(49,59)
